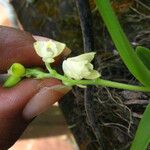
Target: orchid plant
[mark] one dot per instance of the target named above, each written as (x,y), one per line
(79,70)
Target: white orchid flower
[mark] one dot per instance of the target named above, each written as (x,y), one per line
(80,67)
(48,50)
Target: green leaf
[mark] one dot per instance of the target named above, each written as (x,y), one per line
(142,137)
(144,54)
(127,53)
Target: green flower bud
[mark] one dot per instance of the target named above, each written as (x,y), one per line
(17,70)
(11,81)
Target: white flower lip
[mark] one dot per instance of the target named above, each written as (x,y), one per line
(48,50)
(80,67)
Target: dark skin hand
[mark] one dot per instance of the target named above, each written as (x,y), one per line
(17,46)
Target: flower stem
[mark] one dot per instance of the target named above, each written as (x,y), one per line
(107,83)
(48,67)
(104,83)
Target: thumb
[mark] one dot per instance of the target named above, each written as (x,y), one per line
(20,104)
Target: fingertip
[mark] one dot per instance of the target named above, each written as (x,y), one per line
(17,46)
(13,100)
(45,98)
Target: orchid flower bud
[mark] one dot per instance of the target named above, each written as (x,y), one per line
(48,50)
(80,67)
(16,72)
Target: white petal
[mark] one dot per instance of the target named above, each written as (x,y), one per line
(76,70)
(82,86)
(93,75)
(60,47)
(39,46)
(87,56)
(72,69)
(89,66)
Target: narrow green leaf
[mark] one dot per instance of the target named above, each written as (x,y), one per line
(142,137)
(135,65)
(127,53)
(144,54)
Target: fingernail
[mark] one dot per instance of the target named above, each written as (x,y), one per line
(40,38)
(46,97)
